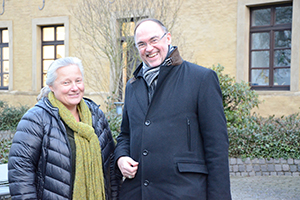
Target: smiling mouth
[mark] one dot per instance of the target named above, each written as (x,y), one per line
(152,55)
(74,95)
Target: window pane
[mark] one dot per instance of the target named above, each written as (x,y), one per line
(5,54)
(44,79)
(60,33)
(260,77)
(283,15)
(5,80)
(6,66)
(46,65)
(282,58)
(283,39)
(260,59)
(48,34)
(282,77)
(48,52)
(5,38)
(128,28)
(261,17)
(60,51)
(260,41)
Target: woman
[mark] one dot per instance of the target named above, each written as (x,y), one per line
(55,152)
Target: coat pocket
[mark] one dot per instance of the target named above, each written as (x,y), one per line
(192,167)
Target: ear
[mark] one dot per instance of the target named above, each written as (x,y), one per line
(169,38)
(51,88)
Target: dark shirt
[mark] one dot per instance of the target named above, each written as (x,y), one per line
(71,138)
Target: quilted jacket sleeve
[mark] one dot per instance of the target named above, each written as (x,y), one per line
(107,144)
(24,155)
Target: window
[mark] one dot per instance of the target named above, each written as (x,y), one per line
(130,56)
(52,47)
(4,59)
(270,47)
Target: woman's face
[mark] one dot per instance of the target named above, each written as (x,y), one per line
(68,87)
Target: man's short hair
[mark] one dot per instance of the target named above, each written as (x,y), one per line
(153,20)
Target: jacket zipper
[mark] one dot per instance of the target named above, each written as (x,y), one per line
(189,142)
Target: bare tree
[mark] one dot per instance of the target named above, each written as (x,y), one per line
(105,32)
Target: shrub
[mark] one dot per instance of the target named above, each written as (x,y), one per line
(251,135)
(238,98)
(10,115)
(272,137)
(114,120)
(5,145)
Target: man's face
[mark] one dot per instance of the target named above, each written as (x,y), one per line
(154,48)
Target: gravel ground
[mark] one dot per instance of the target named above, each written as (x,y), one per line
(265,187)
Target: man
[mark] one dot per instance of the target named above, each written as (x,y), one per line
(173,142)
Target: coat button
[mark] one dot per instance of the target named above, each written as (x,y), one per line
(145,152)
(147,122)
(146,183)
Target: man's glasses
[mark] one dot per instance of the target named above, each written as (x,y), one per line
(152,42)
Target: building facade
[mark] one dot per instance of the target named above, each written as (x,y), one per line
(257,41)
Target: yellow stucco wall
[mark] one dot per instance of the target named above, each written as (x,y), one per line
(206,33)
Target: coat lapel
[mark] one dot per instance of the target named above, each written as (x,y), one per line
(139,87)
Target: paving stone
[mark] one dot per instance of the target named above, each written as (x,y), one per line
(265,188)
(247,161)
(232,161)
(256,168)
(258,173)
(249,168)
(285,167)
(256,161)
(266,173)
(273,173)
(263,168)
(235,168)
(293,168)
(295,174)
(261,161)
(251,173)
(276,161)
(290,161)
(270,168)
(239,161)
(241,168)
(244,174)
(287,173)
(278,168)
(297,162)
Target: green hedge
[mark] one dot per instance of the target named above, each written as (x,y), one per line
(273,137)
(10,115)
(5,145)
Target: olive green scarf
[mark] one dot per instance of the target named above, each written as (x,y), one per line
(89,183)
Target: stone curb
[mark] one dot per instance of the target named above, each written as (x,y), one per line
(264,167)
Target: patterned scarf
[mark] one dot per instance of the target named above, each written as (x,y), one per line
(150,74)
(89,179)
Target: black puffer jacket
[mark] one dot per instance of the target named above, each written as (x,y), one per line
(40,157)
